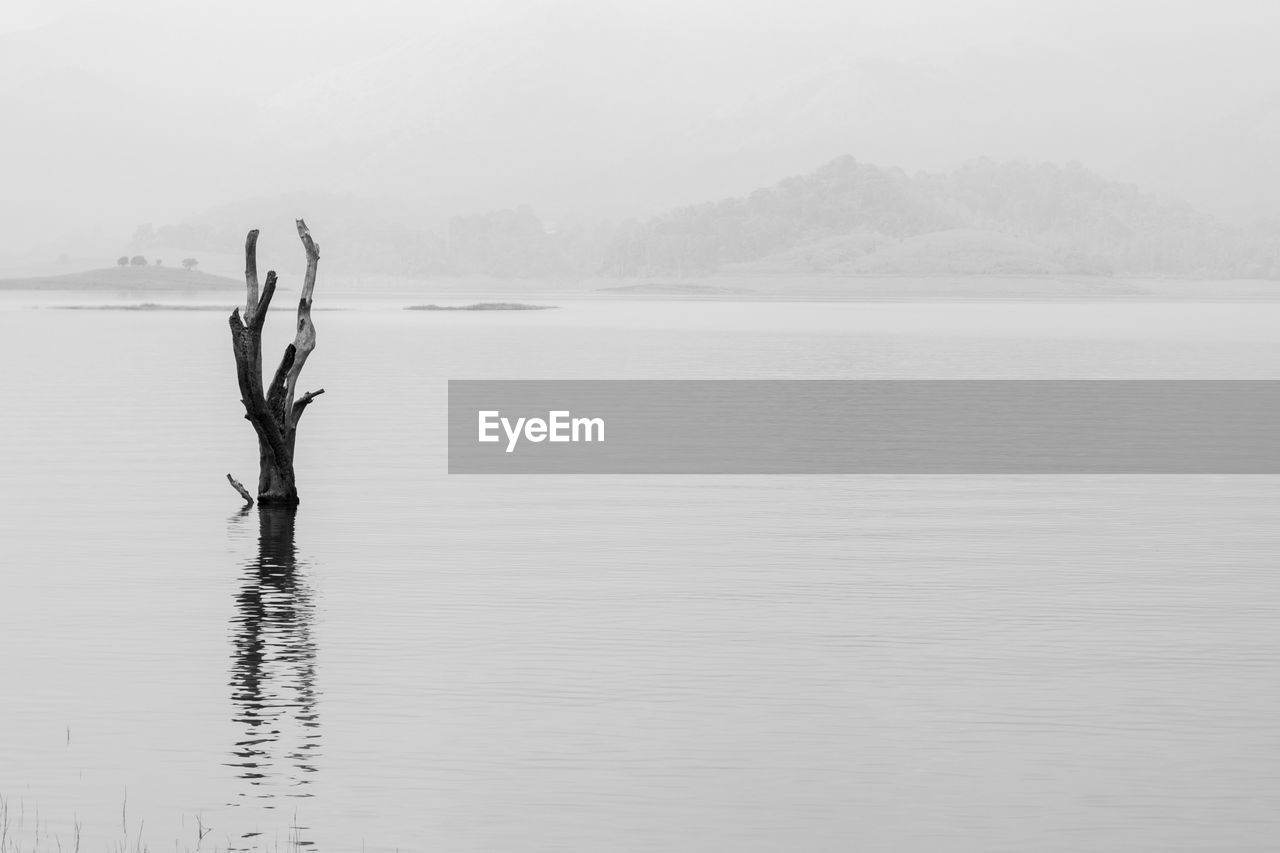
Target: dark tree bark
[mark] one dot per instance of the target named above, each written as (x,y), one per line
(274,412)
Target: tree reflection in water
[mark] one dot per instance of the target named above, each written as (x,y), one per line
(273,667)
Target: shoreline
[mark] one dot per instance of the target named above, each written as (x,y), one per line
(880,288)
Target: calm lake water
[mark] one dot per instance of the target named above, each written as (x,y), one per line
(426,662)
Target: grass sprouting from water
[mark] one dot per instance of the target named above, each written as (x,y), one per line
(24,831)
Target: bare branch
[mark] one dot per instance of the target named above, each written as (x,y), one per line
(239,487)
(276,390)
(303,402)
(243,345)
(268,291)
(313,259)
(305,340)
(250,274)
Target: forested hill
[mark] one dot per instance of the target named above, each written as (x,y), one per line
(845,218)
(855,218)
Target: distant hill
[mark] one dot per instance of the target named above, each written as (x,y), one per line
(845,218)
(816,256)
(952,252)
(149,278)
(963,251)
(983,218)
(595,110)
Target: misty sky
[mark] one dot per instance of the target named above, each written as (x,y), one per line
(128,111)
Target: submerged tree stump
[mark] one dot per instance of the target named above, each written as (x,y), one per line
(274,413)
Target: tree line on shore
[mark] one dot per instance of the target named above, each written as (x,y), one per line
(141,261)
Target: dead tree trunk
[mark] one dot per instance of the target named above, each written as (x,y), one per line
(273,413)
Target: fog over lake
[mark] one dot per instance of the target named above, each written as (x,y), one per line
(368,119)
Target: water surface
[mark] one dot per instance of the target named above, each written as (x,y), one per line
(424,662)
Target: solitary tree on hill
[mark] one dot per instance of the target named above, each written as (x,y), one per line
(122,261)
(138,261)
(188,263)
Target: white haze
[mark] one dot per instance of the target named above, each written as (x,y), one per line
(119,113)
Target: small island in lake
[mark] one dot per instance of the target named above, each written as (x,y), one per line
(125,278)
